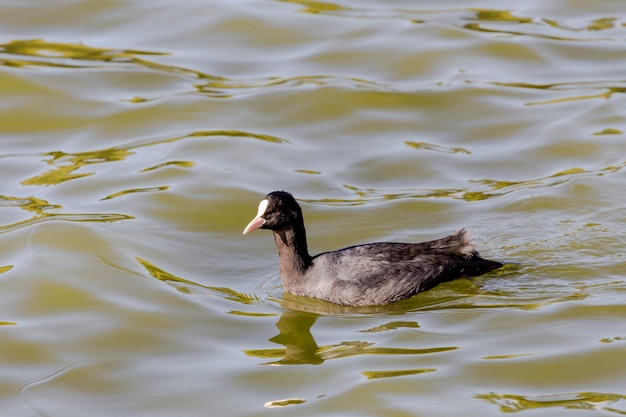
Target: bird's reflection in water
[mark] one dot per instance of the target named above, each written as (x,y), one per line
(295,335)
(299,316)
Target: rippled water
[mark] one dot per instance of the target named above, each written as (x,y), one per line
(138,137)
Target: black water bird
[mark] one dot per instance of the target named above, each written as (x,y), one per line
(369,274)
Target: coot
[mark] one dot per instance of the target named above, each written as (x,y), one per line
(369,274)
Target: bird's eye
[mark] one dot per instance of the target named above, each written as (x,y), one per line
(275,209)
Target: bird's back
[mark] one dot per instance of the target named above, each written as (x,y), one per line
(384,272)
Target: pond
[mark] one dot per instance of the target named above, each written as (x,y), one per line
(137,139)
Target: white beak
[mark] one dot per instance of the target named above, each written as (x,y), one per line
(258,221)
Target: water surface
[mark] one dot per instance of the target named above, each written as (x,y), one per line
(137,139)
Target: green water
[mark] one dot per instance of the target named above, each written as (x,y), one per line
(137,138)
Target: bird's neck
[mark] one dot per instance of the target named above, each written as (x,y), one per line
(293,254)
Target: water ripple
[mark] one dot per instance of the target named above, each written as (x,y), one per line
(218,88)
(57,54)
(496,21)
(503,22)
(73,217)
(396,373)
(302,349)
(609,88)
(392,326)
(65,164)
(482,189)
(190,287)
(575,401)
(437,148)
(204,134)
(39,206)
(183,164)
(483,28)
(65,55)
(134,191)
(284,402)
(43,53)
(26,399)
